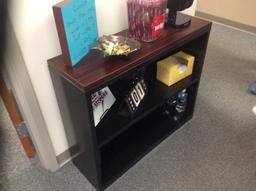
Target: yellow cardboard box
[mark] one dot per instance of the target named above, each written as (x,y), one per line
(175,68)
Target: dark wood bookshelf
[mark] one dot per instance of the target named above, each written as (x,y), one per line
(120,139)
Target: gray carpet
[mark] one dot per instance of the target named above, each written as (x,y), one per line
(216,151)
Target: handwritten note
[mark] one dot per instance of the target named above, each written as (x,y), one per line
(80,23)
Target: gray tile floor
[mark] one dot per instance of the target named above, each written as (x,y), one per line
(216,151)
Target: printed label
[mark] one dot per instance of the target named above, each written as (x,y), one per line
(157,26)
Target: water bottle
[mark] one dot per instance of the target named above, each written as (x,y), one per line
(181,105)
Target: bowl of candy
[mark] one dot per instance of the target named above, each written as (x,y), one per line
(114,45)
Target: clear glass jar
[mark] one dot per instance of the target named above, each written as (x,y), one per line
(146,18)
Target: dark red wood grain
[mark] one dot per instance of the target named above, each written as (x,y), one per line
(94,69)
(61,30)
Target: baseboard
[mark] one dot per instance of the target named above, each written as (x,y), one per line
(235,24)
(67,155)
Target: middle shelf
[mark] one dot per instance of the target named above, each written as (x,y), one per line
(106,130)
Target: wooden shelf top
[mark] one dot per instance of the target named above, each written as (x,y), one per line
(95,70)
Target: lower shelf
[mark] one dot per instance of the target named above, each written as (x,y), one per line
(123,152)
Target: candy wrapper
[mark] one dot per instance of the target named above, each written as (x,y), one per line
(114,45)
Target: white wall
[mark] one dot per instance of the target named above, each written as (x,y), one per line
(15,72)
(36,33)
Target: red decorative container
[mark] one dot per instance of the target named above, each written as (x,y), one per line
(146,18)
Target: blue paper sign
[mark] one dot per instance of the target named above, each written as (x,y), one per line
(80,23)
